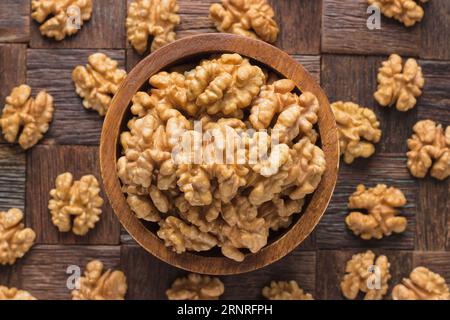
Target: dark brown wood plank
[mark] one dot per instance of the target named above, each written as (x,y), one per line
(390,169)
(43,270)
(105,29)
(51,70)
(435,100)
(331,270)
(354,78)
(44,164)
(15,21)
(311,64)
(435,28)
(344,30)
(146,284)
(435,261)
(13,68)
(432,211)
(12,177)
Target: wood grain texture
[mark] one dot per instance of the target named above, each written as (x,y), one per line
(434,31)
(171,55)
(51,70)
(44,164)
(12,177)
(43,270)
(354,78)
(344,30)
(331,270)
(13,68)
(136,262)
(389,169)
(105,29)
(15,21)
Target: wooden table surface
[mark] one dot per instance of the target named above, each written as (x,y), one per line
(330,38)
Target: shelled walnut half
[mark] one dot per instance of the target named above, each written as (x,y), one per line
(80,199)
(381,218)
(248,18)
(408,12)
(15,239)
(399,83)
(61,18)
(99,285)
(429,147)
(196,287)
(285,290)
(14,294)
(358,130)
(365,274)
(422,284)
(34,115)
(156,18)
(98,82)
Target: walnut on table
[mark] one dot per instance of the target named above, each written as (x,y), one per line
(79,199)
(14,294)
(381,218)
(200,205)
(429,144)
(156,18)
(99,285)
(285,290)
(98,82)
(408,12)
(34,115)
(422,284)
(15,239)
(248,18)
(358,129)
(196,287)
(60,18)
(398,83)
(361,273)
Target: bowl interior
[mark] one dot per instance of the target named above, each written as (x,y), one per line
(187,53)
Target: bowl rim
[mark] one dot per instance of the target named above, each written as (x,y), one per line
(184,49)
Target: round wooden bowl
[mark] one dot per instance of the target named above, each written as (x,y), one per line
(180,52)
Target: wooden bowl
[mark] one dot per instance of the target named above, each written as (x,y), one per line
(180,52)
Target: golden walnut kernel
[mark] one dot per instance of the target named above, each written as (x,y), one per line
(249,18)
(422,284)
(285,290)
(358,129)
(99,285)
(98,82)
(381,218)
(80,199)
(204,204)
(429,143)
(398,83)
(362,272)
(196,287)
(65,16)
(407,12)
(34,115)
(156,18)
(15,239)
(14,294)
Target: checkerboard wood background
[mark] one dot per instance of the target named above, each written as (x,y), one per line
(330,38)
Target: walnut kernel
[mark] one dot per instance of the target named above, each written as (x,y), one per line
(407,12)
(196,287)
(14,294)
(285,290)
(34,115)
(15,239)
(80,199)
(99,285)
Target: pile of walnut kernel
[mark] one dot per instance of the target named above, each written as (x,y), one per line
(200,205)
